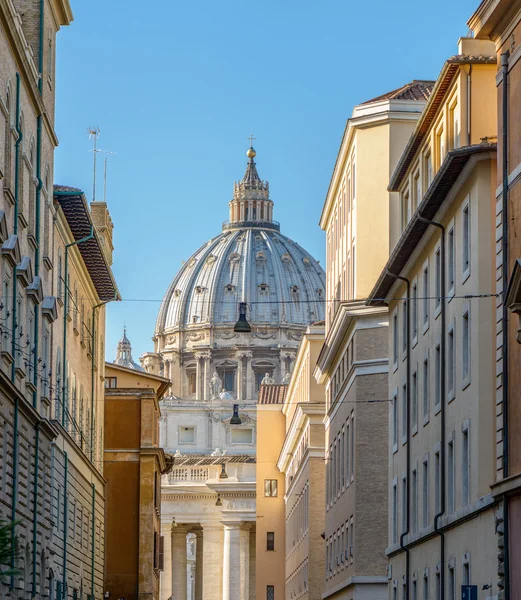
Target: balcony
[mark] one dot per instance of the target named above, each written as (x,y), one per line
(227,225)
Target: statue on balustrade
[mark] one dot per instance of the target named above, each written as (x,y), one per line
(216,385)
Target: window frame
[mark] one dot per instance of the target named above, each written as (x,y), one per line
(466,240)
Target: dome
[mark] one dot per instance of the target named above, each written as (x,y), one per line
(280,280)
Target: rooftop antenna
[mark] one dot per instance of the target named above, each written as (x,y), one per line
(94,133)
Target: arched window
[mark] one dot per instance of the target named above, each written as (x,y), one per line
(51,585)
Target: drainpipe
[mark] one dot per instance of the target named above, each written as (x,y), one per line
(407,529)
(40,48)
(92,385)
(35,503)
(443,303)
(13,347)
(15,224)
(504,248)
(93,538)
(469,103)
(37,251)
(65,520)
(65,312)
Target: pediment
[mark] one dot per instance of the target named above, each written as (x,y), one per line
(35,290)
(24,271)
(11,250)
(50,309)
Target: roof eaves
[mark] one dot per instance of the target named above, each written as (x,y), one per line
(441,87)
(445,178)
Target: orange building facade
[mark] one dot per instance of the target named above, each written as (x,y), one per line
(133,467)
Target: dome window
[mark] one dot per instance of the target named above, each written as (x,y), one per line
(294,289)
(306,261)
(211,259)
(261,257)
(235,257)
(177,292)
(263,288)
(192,263)
(320,292)
(230,289)
(196,318)
(199,289)
(286,257)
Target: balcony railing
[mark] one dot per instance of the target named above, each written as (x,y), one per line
(196,474)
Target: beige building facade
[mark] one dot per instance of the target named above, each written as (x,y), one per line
(51,365)
(439,285)
(301,461)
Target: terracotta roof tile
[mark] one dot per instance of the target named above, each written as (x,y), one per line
(272,393)
(416,90)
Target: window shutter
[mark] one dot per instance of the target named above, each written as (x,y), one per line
(162,553)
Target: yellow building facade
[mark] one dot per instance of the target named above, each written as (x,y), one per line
(439,285)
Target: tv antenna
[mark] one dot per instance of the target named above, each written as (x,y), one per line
(94,133)
(107,154)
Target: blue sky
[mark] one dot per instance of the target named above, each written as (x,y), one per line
(177,89)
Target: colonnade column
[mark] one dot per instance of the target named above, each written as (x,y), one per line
(250,381)
(198,390)
(212,561)
(232,570)
(245,559)
(179,568)
(240,377)
(199,565)
(206,376)
(166,574)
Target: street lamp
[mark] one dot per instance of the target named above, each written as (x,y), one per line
(242,325)
(235,420)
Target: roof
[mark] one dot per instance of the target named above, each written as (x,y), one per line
(449,70)
(76,211)
(192,460)
(418,89)
(445,178)
(272,393)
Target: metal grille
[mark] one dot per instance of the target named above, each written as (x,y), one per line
(270,592)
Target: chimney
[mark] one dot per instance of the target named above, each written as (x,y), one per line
(104,226)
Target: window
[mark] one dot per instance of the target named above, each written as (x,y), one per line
(404,504)
(404,413)
(437,371)
(466,240)
(395,422)
(414,311)
(427,165)
(404,328)
(242,436)
(452,584)
(417,190)
(436,483)
(426,389)
(271,488)
(270,592)
(270,540)
(414,401)
(465,468)
(426,587)
(111,382)
(347,452)
(438,278)
(425,297)
(450,261)
(466,573)
(228,379)
(414,590)
(451,375)
(395,338)
(187,435)
(438,586)
(450,478)
(425,495)
(414,501)
(192,382)
(394,530)
(466,348)
(352,449)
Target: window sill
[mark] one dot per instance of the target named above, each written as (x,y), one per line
(465,276)
(437,311)
(395,367)
(404,440)
(466,383)
(414,342)
(426,420)
(425,328)
(395,448)
(450,294)
(404,356)
(451,396)
(414,430)
(437,408)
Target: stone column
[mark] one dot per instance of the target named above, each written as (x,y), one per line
(166,575)
(245,560)
(232,562)
(250,382)
(198,394)
(212,561)
(240,377)
(179,582)
(253,558)
(199,565)
(206,384)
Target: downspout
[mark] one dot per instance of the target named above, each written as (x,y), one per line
(35,504)
(93,537)
(65,313)
(407,529)
(65,523)
(37,251)
(469,104)
(13,347)
(15,224)
(40,48)
(504,247)
(443,305)
(92,384)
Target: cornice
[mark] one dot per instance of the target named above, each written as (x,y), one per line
(304,411)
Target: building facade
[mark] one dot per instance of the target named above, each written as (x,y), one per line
(439,285)
(270,514)
(51,371)
(500,22)
(301,461)
(361,220)
(133,466)
(216,372)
